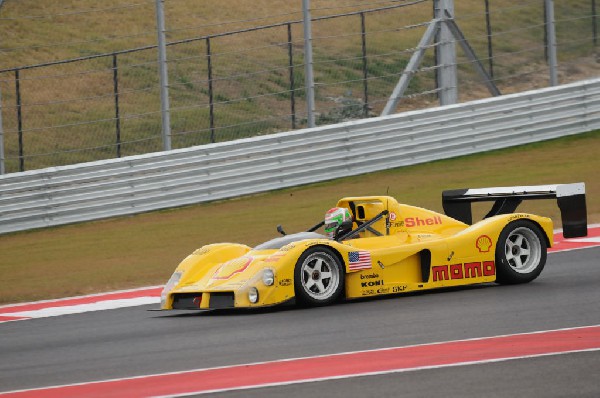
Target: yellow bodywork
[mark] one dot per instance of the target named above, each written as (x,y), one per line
(412,249)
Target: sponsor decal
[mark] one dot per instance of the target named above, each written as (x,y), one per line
(399,289)
(201,251)
(463,271)
(370,276)
(518,216)
(396,224)
(422,222)
(359,260)
(287,247)
(372,292)
(319,242)
(393,216)
(285,282)
(372,283)
(483,244)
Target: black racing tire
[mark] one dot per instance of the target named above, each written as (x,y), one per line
(319,277)
(521,253)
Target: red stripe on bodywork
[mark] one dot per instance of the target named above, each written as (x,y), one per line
(353,364)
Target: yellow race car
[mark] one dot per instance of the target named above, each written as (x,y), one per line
(379,247)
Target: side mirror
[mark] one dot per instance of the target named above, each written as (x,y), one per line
(280,230)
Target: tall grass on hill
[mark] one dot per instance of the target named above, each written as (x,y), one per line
(68,111)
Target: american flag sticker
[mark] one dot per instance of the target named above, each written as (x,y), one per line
(359,260)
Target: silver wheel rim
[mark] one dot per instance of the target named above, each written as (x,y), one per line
(523,250)
(319,276)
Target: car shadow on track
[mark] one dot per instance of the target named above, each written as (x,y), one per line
(291,306)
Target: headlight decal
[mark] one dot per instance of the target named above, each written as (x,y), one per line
(268,277)
(171,283)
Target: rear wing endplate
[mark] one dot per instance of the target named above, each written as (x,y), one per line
(570,198)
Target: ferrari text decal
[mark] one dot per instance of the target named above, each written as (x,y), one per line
(287,247)
(463,271)
(518,216)
(421,222)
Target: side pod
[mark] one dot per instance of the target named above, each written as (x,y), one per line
(570,198)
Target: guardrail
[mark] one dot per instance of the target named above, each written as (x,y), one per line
(88,191)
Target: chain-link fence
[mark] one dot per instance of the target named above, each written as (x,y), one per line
(250,81)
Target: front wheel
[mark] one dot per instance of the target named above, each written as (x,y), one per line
(520,253)
(318,277)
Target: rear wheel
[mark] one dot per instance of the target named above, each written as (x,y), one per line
(318,277)
(520,253)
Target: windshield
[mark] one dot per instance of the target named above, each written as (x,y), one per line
(278,243)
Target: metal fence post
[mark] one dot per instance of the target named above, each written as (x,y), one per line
(19,120)
(116,93)
(446,55)
(211,103)
(2,168)
(489,37)
(551,34)
(364,65)
(292,82)
(594,22)
(164,76)
(308,64)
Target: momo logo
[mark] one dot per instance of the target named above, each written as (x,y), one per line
(483,243)
(463,271)
(421,222)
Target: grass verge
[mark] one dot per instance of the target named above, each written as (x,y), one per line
(144,249)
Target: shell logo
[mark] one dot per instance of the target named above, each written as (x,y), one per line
(483,243)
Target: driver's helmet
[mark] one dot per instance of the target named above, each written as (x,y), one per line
(334,218)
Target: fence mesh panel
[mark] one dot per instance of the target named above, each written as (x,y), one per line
(247,78)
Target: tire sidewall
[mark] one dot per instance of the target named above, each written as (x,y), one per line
(505,274)
(302,296)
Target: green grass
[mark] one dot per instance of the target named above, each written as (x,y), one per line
(144,249)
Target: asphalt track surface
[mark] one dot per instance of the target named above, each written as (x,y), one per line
(133,341)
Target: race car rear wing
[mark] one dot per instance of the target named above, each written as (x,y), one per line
(570,198)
